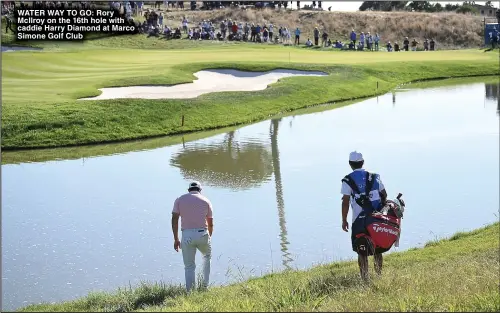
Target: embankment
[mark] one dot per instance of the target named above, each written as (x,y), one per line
(456,274)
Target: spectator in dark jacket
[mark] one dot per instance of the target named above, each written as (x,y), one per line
(324,38)
(406,44)
(389,47)
(432,45)
(316,36)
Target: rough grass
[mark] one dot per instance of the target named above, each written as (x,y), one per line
(39,89)
(456,274)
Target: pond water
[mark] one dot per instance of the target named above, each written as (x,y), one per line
(99,223)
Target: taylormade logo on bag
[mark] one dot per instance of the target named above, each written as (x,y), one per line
(377,228)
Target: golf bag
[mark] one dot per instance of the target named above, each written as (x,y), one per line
(378,231)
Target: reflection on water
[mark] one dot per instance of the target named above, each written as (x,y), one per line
(98,223)
(237,165)
(492,92)
(279,193)
(227,163)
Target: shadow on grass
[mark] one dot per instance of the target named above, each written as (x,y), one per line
(144,295)
(314,292)
(123,300)
(334,282)
(97,36)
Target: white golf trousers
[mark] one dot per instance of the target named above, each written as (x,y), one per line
(192,240)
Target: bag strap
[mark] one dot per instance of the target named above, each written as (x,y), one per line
(368,187)
(350,182)
(370,180)
(369,183)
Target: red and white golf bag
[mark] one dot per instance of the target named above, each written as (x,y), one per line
(382,229)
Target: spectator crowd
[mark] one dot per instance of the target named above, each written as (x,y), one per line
(154,25)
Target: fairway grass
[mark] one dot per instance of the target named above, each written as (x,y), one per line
(40,89)
(457,274)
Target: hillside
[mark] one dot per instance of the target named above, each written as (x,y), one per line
(450,30)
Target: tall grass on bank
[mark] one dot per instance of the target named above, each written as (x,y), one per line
(456,274)
(40,89)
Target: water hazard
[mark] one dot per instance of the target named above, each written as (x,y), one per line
(99,223)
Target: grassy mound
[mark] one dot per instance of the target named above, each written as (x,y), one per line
(457,274)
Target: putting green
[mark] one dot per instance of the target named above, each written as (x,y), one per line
(40,89)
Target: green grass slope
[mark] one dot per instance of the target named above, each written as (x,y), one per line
(456,274)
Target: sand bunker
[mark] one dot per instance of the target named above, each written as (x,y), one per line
(18,48)
(208,81)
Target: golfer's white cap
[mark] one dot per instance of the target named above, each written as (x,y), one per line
(355,157)
(195,184)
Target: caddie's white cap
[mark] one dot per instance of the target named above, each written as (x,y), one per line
(194,184)
(355,157)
